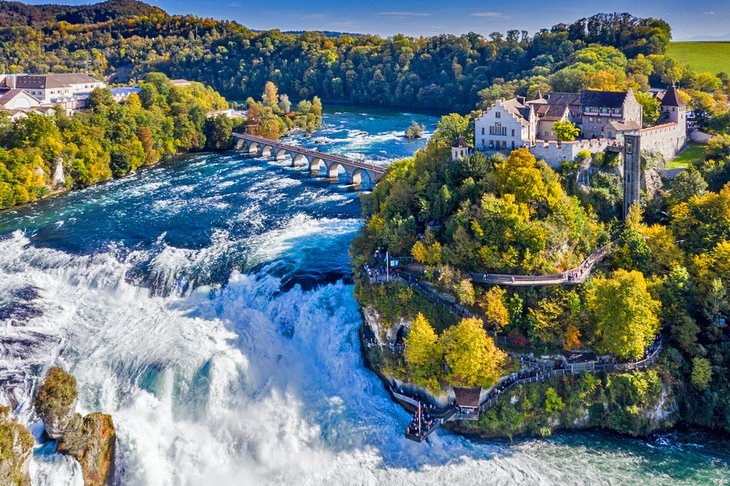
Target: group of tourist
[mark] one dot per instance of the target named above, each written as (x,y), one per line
(422,421)
(577,273)
(649,352)
(507,383)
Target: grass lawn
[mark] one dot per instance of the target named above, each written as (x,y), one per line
(693,152)
(713,57)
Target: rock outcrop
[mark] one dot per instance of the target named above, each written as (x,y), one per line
(56,402)
(16,449)
(90,440)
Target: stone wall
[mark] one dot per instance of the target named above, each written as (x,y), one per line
(666,140)
(555,153)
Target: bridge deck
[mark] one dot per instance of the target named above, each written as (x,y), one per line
(313,153)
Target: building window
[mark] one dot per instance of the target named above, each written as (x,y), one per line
(513,133)
(482,130)
(498,129)
(497,114)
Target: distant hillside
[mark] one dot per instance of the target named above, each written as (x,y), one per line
(713,57)
(18,13)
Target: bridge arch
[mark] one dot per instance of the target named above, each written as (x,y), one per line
(335,170)
(266,151)
(253,148)
(281,154)
(298,160)
(362,178)
(317,167)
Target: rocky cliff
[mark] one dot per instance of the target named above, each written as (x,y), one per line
(90,439)
(16,448)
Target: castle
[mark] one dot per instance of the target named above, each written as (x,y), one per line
(603,117)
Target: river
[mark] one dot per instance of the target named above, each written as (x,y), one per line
(205,304)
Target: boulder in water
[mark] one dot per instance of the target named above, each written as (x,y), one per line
(90,440)
(16,449)
(56,402)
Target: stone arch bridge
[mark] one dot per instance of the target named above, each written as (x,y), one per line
(359,173)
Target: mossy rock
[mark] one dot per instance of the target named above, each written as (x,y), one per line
(16,449)
(91,441)
(56,401)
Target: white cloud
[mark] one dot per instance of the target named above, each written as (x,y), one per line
(709,12)
(491,15)
(405,14)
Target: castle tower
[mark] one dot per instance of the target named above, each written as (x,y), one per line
(632,171)
(673,108)
(460,151)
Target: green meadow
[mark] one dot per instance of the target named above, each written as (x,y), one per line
(713,57)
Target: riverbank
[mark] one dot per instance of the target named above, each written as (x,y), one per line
(585,401)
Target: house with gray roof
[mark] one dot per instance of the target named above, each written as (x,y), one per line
(603,117)
(53,88)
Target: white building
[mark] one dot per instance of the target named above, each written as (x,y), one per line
(53,88)
(506,125)
(603,118)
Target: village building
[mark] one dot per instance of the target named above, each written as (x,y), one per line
(603,118)
(54,88)
(460,151)
(17,103)
(506,125)
(121,94)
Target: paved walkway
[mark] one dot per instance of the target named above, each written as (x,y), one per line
(574,276)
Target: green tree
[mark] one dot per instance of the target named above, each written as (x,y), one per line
(685,185)
(218,130)
(650,105)
(451,128)
(701,373)
(625,314)
(423,354)
(553,403)
(414,131)
(565,130)
(471,355)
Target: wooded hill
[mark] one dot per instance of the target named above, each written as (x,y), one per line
(445,72)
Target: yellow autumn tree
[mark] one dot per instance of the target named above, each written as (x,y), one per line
(423,354)
(471,356)
(495,310)
(625,314)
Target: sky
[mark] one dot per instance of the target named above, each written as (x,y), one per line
(697,20)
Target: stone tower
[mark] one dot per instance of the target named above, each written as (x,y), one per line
(632,171)
(460,151)
(673,108)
